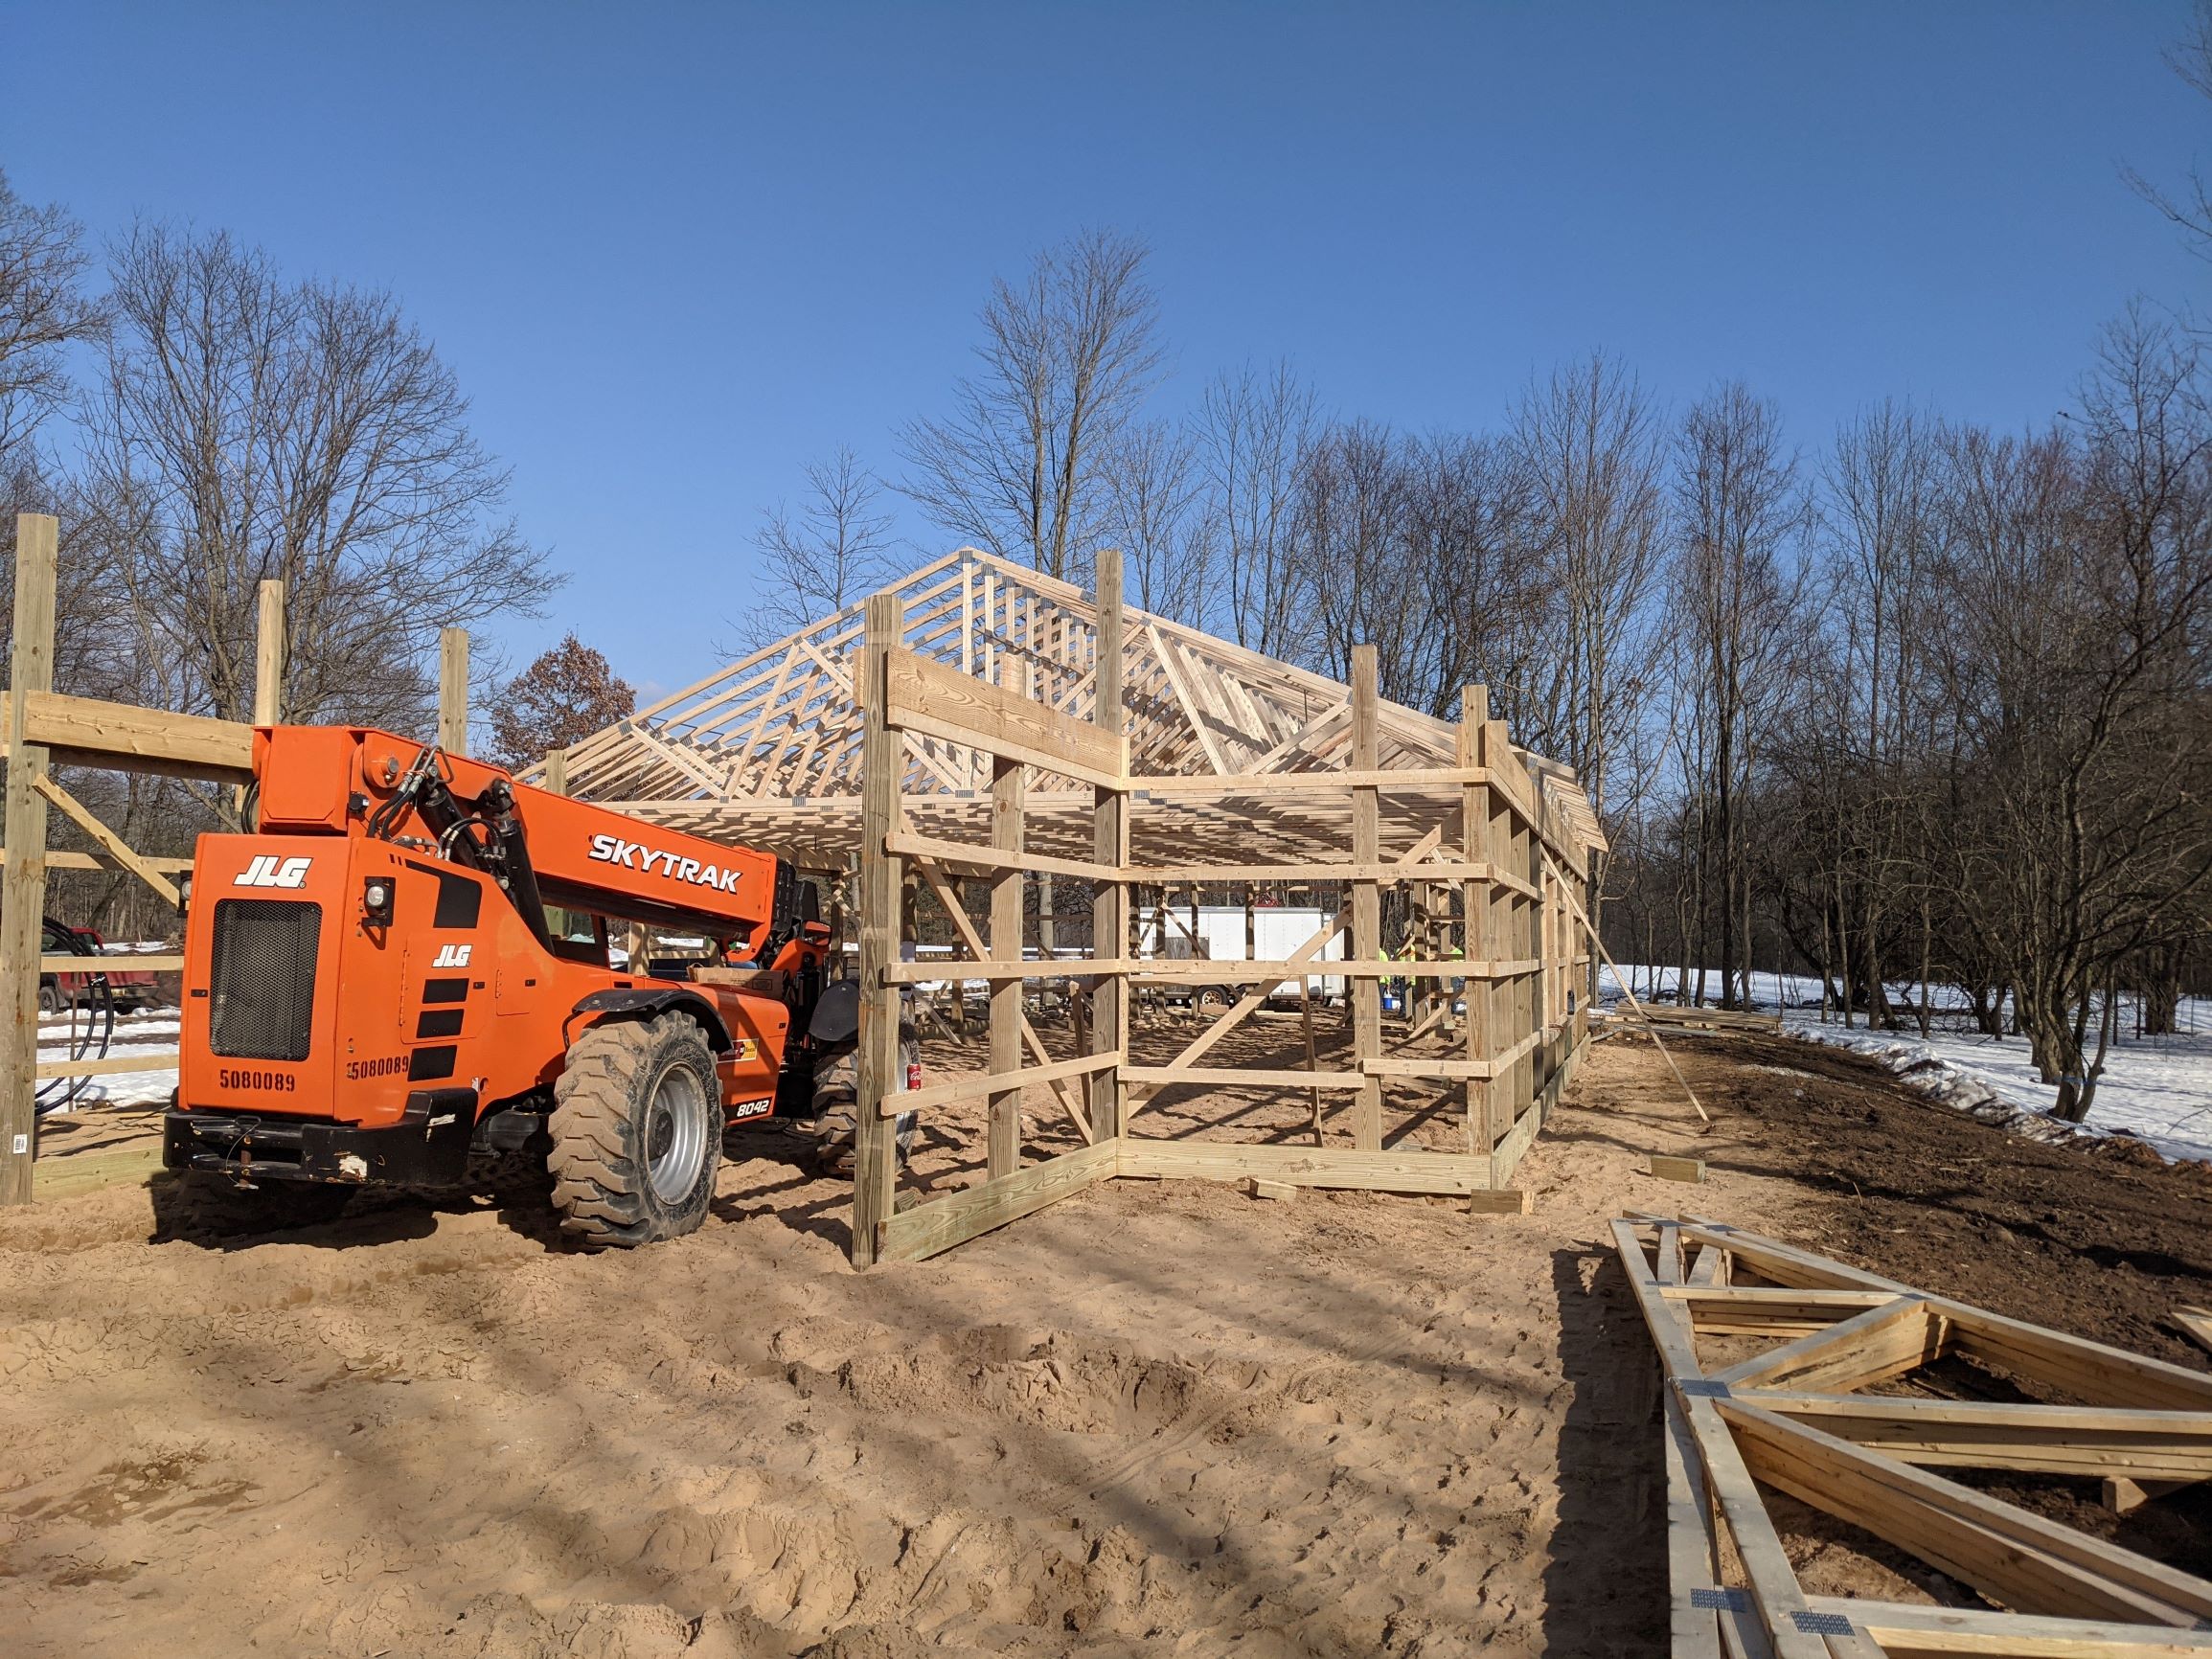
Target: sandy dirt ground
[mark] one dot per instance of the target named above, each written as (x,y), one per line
(1158,1418)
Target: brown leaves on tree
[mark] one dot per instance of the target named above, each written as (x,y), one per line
(562,697)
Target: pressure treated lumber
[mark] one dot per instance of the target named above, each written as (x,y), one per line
(2005,1551)
(1854,1353)
(115,846)
(1377,1171)
(149,963)
(1906,1630)
(122,736)
(1215,971)
(992,861)
(2196,1323)
(23,879)
(877,1059)
(1003,1138)
(1790,1419)
(1242,1077)
(106,862)
(71,1175)
(269,654)
(933,1227)
(453,690)
(927,696)
(1109,907)
(1008,1083)
(1366,899)
(108,1066)
(2059,1439)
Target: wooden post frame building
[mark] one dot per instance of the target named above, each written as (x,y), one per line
(982,722)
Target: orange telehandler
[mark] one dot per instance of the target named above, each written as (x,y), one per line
(405,970)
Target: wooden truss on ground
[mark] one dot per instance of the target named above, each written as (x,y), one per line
(1463,814)
(1798,1418)
(769,751)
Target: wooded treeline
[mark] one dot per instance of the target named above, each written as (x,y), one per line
(200,422)
(1923,703)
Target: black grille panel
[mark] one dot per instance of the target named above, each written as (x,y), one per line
(264,978)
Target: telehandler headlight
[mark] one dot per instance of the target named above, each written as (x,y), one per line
(376,902)
(184,892)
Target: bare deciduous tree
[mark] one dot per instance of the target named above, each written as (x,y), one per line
(1251,432)
(1594,455)
(1739,507)
(1068,356)
(247,427)
(42,309)
(1153,515)
(2191,58)
(828,555)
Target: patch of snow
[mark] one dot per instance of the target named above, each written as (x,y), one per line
(2157,1089)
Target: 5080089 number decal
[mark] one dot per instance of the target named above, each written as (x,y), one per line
(392,1067)
(282,1083)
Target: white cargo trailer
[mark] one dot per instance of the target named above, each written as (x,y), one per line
(1278,932)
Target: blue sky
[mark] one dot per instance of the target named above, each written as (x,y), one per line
(676,252)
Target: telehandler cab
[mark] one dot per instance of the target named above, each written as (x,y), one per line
(404,972)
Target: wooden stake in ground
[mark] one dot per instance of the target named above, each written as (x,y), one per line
(23,883)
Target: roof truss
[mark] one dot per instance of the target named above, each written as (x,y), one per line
(768,751)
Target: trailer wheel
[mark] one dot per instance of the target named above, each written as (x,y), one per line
(636,1133)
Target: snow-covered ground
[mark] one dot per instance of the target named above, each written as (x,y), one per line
(2157,1089)
(153,1031)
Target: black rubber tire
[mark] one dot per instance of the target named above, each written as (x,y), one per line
(50,999)
(835,1124)
(191,1205)
(602,1113)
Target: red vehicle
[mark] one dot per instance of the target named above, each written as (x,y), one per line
(407,966)
(129,989)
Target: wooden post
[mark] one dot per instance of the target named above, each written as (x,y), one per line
(268,674)
(1498,996)
(1110,904)
(270,656)
(1366,901)
(1008,790)
(1471,748)
(453,690)
(556,919)
(1528,987)
(882,764)
(23,883)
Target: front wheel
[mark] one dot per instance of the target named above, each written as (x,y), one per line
(636,1133)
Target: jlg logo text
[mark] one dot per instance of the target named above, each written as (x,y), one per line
(453,956)
(266,871)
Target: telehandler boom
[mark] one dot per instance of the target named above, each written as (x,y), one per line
(404,972)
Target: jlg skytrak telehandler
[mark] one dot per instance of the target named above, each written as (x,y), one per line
(405,973)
